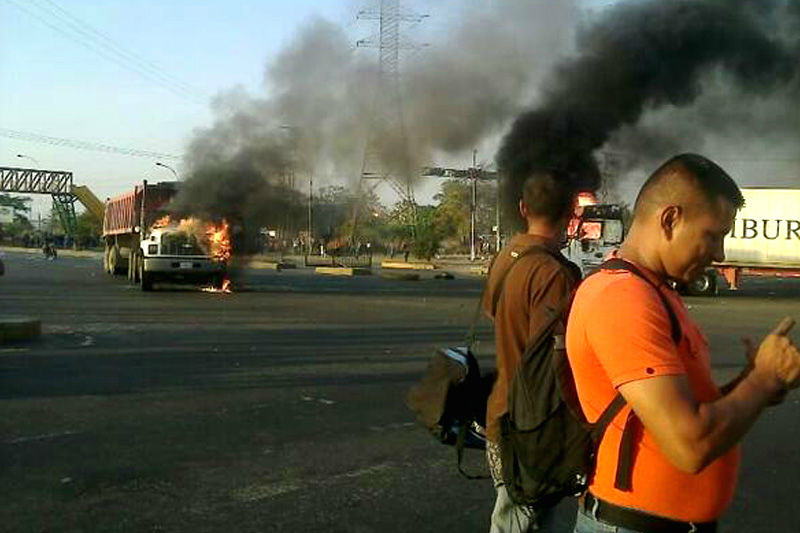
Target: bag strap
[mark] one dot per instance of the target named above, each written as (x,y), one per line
(624,473)
(621,264)
(516,256)
(460,440)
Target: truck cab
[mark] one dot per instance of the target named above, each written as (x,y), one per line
(173,254)
(593,235)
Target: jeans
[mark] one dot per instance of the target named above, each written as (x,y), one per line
(588,524)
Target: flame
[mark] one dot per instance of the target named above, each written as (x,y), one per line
(162,222)
(225,289)
(215,236)
(586,198)
(219,239)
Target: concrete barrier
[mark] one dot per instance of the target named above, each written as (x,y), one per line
(343,271)
(19,328)
(407,265)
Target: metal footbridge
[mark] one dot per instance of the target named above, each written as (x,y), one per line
(59,185)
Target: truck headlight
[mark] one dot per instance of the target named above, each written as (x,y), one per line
(152,249)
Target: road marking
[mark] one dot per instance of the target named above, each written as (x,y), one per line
(45,436)
(255,493)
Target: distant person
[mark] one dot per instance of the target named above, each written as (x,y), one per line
(406,250)
(669,460)
(535,285)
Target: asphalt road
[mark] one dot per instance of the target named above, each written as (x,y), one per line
(280,407)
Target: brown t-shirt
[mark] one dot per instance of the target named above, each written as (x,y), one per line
(537,285)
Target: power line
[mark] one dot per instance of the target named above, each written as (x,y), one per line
(83,145)
(76,31)
(104,40)
(122,50)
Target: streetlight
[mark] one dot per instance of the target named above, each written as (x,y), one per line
(29,157)
(160,164)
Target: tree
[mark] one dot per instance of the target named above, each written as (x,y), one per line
(18,203)
(453,210)
(429,233)
(88,229)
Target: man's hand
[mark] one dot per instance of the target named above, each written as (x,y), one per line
(777,361)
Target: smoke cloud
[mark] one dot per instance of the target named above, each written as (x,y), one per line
(650,77)
(324,97)
(642,79)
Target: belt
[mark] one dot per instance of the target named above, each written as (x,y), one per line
(641,521)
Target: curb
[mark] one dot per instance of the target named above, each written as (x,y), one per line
(61,253)
(343,271)
(19,328)
(407,266)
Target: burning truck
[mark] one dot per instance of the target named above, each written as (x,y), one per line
(142,241)
(594,232)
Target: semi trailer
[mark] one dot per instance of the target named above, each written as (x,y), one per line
(764,241)
(143,244)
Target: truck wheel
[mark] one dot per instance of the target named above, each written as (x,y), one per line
(136,263)
(113,260)
(705,285)
(106,261)
(147,281)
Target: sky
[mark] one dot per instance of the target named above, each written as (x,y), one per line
(52,84)
(177,55)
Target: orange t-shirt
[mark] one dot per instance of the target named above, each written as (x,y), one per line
(619,332)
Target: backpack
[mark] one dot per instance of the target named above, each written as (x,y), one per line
(450,399)
(547,447)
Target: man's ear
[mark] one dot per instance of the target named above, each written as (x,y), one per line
(670,216)
(523,210)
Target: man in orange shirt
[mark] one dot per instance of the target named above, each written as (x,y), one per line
(684,430)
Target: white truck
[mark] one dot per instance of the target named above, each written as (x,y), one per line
(151,254)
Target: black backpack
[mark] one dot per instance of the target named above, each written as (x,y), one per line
(547,447)
(450,399)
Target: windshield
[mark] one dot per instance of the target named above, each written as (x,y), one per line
(180,243)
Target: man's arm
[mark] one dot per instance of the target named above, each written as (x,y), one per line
(693,434)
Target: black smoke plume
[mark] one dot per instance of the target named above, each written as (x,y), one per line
(321,96)
(639,58)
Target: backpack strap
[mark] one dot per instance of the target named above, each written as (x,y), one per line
(621,264)
(516,256)
(625,454)
(461,438)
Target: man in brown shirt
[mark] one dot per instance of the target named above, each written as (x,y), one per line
(536,285)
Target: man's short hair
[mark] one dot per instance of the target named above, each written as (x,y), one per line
(705,177)
(548,194)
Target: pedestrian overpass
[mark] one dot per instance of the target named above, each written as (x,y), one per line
(59,185)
